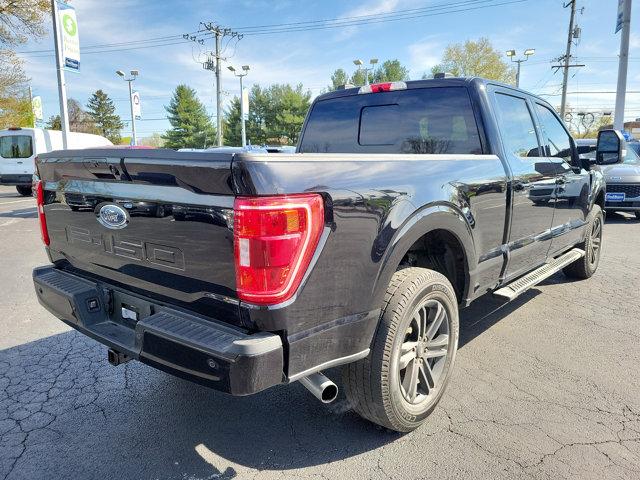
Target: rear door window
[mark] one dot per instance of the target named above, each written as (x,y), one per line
(426,120)
(16,146)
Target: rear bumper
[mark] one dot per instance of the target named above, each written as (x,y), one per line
(16,179)
(189,346)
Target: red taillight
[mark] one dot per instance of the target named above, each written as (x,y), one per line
(382,87)
(274,241)
(43,221)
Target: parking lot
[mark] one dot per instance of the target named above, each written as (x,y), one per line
(545,387)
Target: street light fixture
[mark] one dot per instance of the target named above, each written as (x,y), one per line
(134,75)
(245,69)
(527,53)
(359,64)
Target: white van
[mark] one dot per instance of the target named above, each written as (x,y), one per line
(19,146)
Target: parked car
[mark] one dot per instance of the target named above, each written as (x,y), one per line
(19,147)
(623,182)
(404,202)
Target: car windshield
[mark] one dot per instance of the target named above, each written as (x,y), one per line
(16,146)
(633,154)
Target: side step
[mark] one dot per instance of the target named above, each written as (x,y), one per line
(521,285)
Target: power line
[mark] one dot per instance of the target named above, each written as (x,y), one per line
(362,17)
(377,20)
(310,25)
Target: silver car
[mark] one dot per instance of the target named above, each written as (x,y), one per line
(623,182)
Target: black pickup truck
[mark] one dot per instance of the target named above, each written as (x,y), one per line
(403,202)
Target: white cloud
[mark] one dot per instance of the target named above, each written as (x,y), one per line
(423,55)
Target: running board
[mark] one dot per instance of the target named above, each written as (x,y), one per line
(523,284)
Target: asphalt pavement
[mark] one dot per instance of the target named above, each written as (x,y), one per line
(545,387)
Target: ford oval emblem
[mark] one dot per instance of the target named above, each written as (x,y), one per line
(112,216)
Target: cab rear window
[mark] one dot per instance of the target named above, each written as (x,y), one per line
(427,120)
(16,146)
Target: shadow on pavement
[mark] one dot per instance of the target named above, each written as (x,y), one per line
(79,417)
(30,212)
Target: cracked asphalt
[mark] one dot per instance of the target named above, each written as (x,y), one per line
(545,387)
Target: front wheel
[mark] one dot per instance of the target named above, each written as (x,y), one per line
(24,190)
(401,381)
(638,215)
(586,266)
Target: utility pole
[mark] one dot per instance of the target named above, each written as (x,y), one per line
(62,87)
(567,58)
(214,63)
(218,91)
(618,119)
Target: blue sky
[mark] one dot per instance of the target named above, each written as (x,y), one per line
(309,57)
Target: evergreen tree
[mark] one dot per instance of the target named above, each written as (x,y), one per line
(102,111)
(191,126)
(388,71)
(275,115)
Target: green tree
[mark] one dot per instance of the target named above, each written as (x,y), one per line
(339,78)
(275,115)
(22,19)
(103,113)
(15,108)
(190,125)
(475,59)
(153,140)
(388,71)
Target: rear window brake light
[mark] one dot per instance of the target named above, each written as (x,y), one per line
(382,87)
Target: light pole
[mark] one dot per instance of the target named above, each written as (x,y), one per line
(359,64)
(527,53)
(134,75)
(245,69)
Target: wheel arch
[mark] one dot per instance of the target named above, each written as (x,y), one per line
(444,222)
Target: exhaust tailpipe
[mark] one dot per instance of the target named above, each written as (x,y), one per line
(322,388)
(116,358)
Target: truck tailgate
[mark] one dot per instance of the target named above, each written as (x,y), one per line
(175,239)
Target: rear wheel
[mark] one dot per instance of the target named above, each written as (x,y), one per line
(401,381)
(586,266)
(638,215)
(24,190)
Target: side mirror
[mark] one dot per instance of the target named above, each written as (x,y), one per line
(610,148)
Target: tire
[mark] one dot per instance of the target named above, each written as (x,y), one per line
(638,215)
(377,387)
(23,190)
(586,266)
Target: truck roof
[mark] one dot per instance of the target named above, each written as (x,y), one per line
(473,82)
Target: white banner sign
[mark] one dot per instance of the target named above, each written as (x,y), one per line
(69,36)
(135,101)
(36,105)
